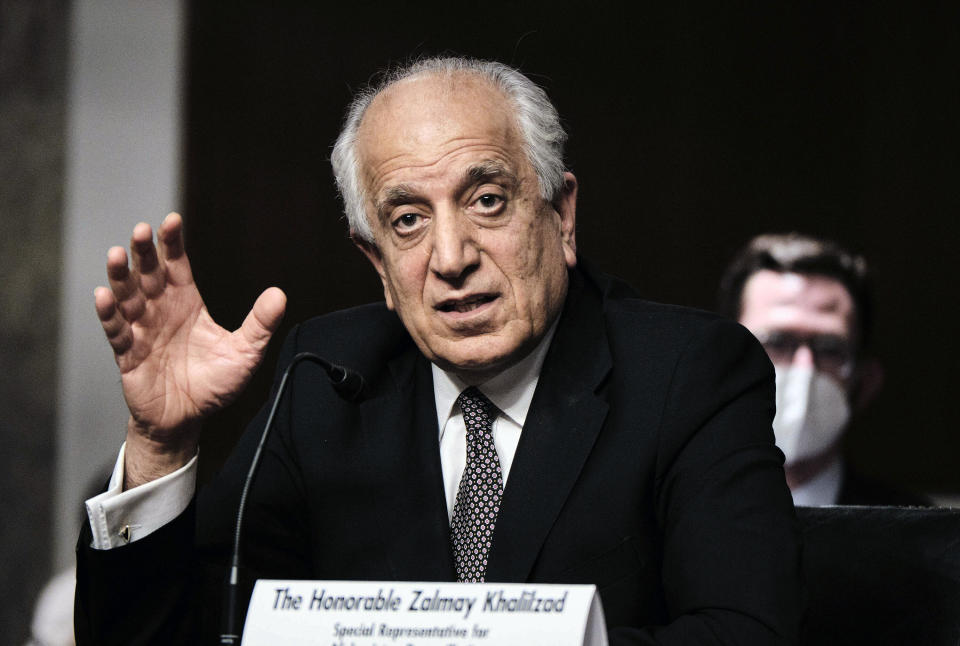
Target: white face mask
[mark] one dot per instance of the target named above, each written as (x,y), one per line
(812,411)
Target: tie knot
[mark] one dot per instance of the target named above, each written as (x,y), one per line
(475,406)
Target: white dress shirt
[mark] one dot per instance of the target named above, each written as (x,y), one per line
(822,489)
(118,517)
(511,392)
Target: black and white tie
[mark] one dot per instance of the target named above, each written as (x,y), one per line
(481,487)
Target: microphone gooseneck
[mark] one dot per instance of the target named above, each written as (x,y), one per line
(349,385)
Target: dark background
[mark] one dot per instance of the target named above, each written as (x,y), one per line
(692,128)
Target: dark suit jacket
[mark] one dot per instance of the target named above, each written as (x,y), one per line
(646,466)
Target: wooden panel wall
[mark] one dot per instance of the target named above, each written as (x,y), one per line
(691,129)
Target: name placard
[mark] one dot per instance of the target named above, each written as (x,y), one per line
(364,613)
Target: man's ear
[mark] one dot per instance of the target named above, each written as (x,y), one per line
(566,207)
(869,380)
(372,252)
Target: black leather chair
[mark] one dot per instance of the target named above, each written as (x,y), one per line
(881,575)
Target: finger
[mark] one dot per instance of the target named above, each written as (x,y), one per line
(145,261)
(115,326)
(172,250)
(263,320)
(124,284)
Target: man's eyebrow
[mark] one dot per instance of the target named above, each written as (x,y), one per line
(488,170)
(832,304)
(392,197)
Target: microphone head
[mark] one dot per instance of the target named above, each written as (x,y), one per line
(348,383)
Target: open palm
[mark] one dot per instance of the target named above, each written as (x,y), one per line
(177,365)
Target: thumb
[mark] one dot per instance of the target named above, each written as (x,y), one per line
(264,319)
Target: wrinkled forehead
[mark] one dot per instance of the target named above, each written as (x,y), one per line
(772,299)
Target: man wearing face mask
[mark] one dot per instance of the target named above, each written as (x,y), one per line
(807,302)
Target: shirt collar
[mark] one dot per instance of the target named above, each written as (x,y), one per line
(511,391)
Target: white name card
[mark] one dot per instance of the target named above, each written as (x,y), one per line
(363,613)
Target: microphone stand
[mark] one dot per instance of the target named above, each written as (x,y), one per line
(348,384)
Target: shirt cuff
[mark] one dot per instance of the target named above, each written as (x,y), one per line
(118,517)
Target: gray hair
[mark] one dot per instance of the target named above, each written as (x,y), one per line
(537,119)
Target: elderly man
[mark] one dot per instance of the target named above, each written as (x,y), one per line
(618,442)
(807,302)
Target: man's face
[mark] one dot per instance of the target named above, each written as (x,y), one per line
(801,320)
(472,259)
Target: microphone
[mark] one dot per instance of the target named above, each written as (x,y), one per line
(348,384)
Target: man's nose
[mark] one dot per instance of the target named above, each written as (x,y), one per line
(803,356)
(455,250)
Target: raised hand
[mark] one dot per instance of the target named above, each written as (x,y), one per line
(176,364)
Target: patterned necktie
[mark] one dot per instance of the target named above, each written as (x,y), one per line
(481,487)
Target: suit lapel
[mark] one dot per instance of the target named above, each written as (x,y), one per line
(562,425)
(399,425)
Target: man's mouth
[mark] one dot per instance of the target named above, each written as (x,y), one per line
(467,304)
